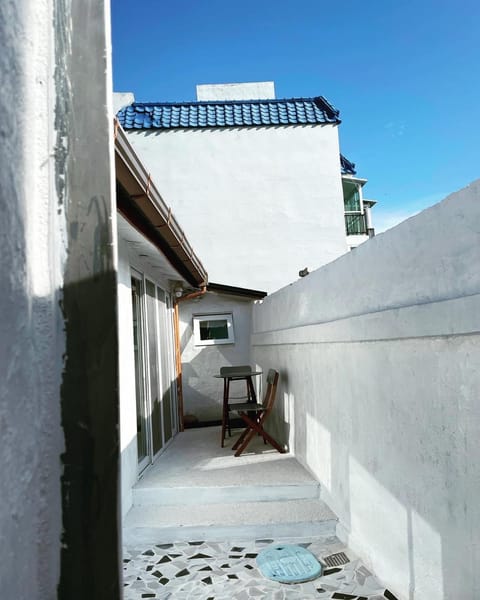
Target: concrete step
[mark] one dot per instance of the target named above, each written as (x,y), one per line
(224,494)
(156,524)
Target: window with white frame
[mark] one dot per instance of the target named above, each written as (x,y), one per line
(355,223)
(210,330)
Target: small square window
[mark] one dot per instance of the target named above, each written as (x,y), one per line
(210,330)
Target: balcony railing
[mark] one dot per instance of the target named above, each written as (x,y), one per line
(355,224)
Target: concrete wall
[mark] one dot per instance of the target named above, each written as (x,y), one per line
(257,204)
(32,339)
(379,355)
(202,393)
(58,404)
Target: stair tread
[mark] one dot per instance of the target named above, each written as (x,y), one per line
(271,512)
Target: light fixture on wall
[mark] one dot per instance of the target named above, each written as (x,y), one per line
(178,291)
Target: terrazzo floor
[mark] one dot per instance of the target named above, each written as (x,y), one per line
(228,570)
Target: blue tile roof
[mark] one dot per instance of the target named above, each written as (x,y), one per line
(228,113)
(348,168)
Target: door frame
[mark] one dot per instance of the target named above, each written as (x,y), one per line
(143,371)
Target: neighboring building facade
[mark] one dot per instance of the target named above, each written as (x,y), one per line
(256,183)
(358,218)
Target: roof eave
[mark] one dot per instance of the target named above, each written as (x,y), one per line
(151,215)
(235,291)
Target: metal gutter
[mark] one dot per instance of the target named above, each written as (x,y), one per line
(147,211)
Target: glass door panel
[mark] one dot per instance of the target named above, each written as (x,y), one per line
(153,362)
(172,370)
(166,379)
(138,345)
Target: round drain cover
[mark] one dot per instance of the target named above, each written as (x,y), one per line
(288,564)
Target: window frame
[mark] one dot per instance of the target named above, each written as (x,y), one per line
(198,318)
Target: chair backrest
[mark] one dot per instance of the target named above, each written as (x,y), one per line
(226,371)
(271,391)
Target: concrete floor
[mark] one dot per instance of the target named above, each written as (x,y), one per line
(196,489)
(195,458)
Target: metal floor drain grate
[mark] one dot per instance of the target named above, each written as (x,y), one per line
(336,560)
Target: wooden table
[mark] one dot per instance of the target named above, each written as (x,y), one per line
(229,374)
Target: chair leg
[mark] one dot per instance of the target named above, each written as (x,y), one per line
(246,441)
(241,437)
(252,428)
(273,442)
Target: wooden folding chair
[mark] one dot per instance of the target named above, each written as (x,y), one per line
(255,415)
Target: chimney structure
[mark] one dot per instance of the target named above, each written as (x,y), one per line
(255,90)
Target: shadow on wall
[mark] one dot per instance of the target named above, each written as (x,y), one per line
(279,423)
(202,392)
(390,428)
(89,413)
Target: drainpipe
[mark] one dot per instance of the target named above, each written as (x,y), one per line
(178,353)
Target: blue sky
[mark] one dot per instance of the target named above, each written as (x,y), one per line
(404,75)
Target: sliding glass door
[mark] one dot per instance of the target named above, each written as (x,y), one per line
(143,434)
(154,375)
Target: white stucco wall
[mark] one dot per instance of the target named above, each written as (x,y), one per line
(39,135)
(31,326)
(257,204)
(202,393)
(379,354)
(236,91)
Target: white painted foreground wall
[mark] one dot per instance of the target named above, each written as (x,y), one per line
(40,138)
(257,204)
(379,355)
(31,327)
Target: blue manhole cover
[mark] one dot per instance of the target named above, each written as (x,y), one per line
(288,564)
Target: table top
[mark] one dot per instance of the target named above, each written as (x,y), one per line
(240,375)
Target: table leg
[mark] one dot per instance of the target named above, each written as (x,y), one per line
(252,396)
(224,410)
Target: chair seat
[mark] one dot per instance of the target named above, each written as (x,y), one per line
(254,423)
(246,406)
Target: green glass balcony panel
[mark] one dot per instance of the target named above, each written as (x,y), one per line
(355,224)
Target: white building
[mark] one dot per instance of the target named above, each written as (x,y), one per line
(257,183)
